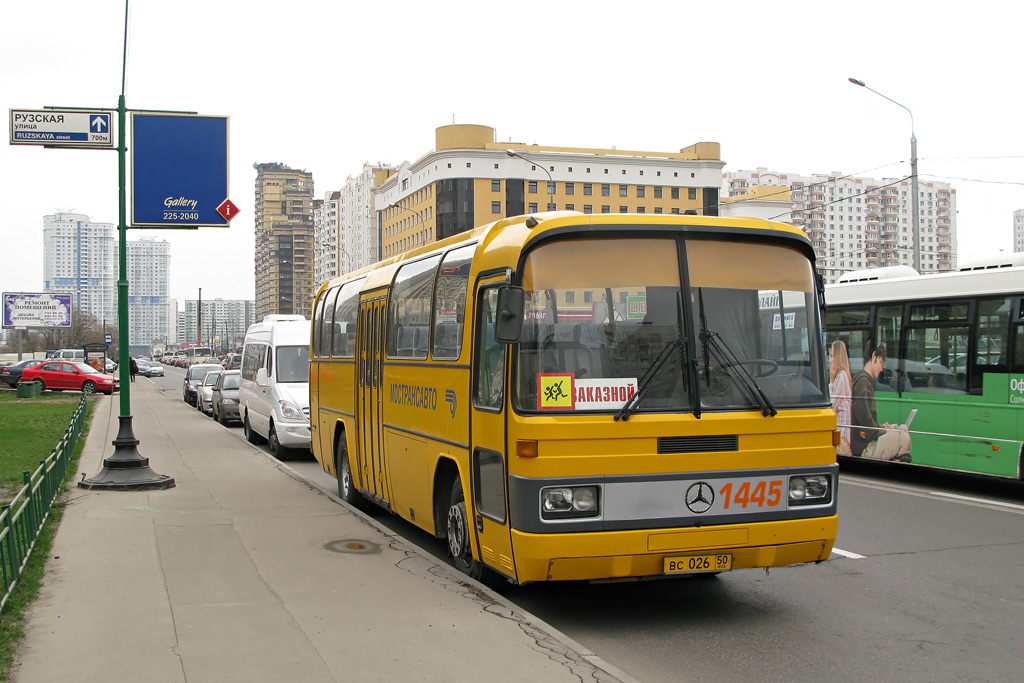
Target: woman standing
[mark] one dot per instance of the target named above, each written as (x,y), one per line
(840,388)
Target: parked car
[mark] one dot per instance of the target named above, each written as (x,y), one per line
(11,374)
(193,376)
(109,365)
(204,391)
(60,375)
(225,397)
(149,368)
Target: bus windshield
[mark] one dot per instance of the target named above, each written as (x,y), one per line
(607,318)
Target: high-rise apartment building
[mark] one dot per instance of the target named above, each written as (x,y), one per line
(857,223)
(284,240)
(80,258)
(224,322)
(326,226)
(469,180)
(1018,230)
(345,221)
(150,312)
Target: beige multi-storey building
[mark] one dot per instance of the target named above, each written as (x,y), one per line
(469,180)
(284,240)
(857,223)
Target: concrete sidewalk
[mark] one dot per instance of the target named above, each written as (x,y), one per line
(235,575)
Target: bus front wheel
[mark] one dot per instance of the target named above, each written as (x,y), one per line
(459,540)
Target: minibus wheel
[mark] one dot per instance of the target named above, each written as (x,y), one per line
(250,436)
(276,449)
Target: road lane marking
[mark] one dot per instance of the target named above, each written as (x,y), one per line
(847,553)
(982,501)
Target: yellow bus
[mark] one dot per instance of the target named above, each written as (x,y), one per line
(586,397)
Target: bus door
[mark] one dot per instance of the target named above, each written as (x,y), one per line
(489,451)
(370,354)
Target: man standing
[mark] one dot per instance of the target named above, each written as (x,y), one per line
(870,439)
(133,367)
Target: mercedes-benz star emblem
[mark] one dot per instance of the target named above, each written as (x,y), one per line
(700,497)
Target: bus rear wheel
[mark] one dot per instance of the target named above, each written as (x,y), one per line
(346,485)
(459,540)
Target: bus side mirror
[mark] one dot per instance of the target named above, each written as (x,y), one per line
(262,378)
(508,325)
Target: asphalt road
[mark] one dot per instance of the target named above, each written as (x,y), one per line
(927,584)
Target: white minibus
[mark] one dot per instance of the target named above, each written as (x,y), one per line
(273,396)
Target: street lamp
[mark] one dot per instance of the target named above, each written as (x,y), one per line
(419,219)
(405,208)
(914,199)
(551,182)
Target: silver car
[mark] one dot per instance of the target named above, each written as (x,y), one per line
(193,376)
(204,391)
(225,397)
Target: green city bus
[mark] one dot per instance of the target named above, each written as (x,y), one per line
(955,359)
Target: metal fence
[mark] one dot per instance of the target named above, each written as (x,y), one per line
(23,518)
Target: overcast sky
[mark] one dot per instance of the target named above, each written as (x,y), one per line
(325,86)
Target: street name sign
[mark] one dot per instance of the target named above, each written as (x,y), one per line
(179,170)
(62,128)
(27,309)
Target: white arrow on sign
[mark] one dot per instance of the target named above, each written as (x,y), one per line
(98,123)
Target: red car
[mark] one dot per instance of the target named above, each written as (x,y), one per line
(59,375)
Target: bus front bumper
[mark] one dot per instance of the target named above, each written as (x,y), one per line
(639,554)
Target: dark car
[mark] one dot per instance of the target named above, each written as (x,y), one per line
(193,376)
(61,375)
(11,374)
(225,397)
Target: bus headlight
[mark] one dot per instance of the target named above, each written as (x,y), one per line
(810,489)
(564,502)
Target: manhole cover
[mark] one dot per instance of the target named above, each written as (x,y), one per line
(353,546)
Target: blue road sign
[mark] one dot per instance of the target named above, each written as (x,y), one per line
(179,170)
(61,128)
(108,339)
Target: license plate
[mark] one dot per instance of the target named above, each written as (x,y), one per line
(692,564)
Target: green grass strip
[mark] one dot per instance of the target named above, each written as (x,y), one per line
(47,417)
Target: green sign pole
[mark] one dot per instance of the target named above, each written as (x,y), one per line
(126,469)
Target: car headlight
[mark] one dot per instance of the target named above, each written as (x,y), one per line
(291,411)
(569,502)
(228,401)
(810,489)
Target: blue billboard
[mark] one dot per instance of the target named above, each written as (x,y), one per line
(179,174)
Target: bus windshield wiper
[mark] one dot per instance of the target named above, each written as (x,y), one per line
(713,339)
(629,407)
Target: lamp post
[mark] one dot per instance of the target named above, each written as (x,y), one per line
(419,219)
(551,182)
(914,199)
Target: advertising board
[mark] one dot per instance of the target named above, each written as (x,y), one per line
(28,309)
